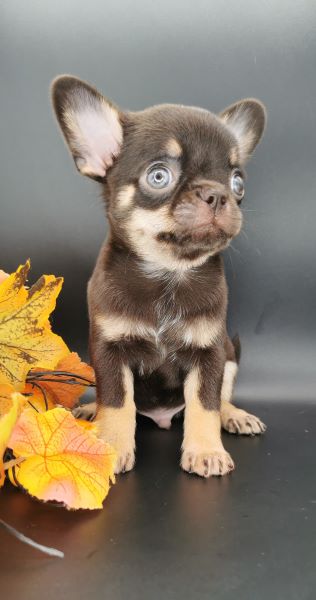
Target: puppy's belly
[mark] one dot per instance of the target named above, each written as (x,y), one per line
(159,395)
(162,415)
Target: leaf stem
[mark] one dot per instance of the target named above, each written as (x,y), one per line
(30,542)
(43,393)
(13,462)
(40,374)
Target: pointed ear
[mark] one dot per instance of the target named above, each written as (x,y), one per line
(91,125)
(246,121)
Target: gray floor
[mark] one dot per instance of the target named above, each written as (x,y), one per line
(165,534)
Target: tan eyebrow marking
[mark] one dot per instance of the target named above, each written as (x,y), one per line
(173,148)
(125,196)
(234,156)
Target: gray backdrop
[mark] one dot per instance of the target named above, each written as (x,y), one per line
(162,531)
(207,53)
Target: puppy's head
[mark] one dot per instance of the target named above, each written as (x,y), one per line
(173,175)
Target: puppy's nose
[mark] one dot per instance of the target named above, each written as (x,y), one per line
(214,197)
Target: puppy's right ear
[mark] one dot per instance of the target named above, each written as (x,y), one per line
(91,125)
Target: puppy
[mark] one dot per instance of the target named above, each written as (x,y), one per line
(173,180)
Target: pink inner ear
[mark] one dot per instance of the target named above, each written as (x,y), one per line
(97,136)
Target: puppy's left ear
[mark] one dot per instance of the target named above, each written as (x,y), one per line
(91,125)
(246,120)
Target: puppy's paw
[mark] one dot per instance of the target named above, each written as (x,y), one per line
(125,452)
(125,461)
(85,411)
(236,420)
(205,464)
(116,426)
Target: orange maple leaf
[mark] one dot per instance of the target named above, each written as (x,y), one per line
(57,392)
(63,461)
(36,398)
(26,339)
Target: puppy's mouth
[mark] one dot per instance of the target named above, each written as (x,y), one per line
(200,228)
(201,234)
(192,244)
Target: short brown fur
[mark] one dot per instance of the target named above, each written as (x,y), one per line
(160,270)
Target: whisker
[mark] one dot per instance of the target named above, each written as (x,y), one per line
(235,249)
(231,262)
(243,232)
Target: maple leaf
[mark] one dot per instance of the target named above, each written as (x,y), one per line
(11,404)
(36,399)
(63,461)
(57,392)
(26,339)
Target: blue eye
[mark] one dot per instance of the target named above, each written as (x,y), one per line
(237,184)
(159,177)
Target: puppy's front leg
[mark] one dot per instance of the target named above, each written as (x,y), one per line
(202,449)
(116,411)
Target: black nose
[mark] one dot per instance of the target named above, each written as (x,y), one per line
(214,197)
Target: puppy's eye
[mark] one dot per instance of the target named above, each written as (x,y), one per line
(237,185)
(159,177)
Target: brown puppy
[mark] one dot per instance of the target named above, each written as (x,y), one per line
(172,179)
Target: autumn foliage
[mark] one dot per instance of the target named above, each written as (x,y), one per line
(43,448)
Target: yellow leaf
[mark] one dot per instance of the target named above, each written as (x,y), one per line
(3,275)
(64,462)
(26,339)
(88,425)
(10,408)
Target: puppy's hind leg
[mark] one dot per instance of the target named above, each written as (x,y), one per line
(233,419)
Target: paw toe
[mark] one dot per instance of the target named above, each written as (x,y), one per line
(243,423)
(124,462)
(84,411)
(207,464)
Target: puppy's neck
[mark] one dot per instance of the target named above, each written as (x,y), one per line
(159,261)
(179,270)
(126,260)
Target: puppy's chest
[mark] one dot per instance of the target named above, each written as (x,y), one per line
(165,328)
(155,326)
(172,332)
(167,334)
(169,323)
(174,327)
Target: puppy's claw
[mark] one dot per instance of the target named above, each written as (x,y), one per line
(217,462)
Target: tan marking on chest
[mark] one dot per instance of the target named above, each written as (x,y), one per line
(115,327)
(200,333)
